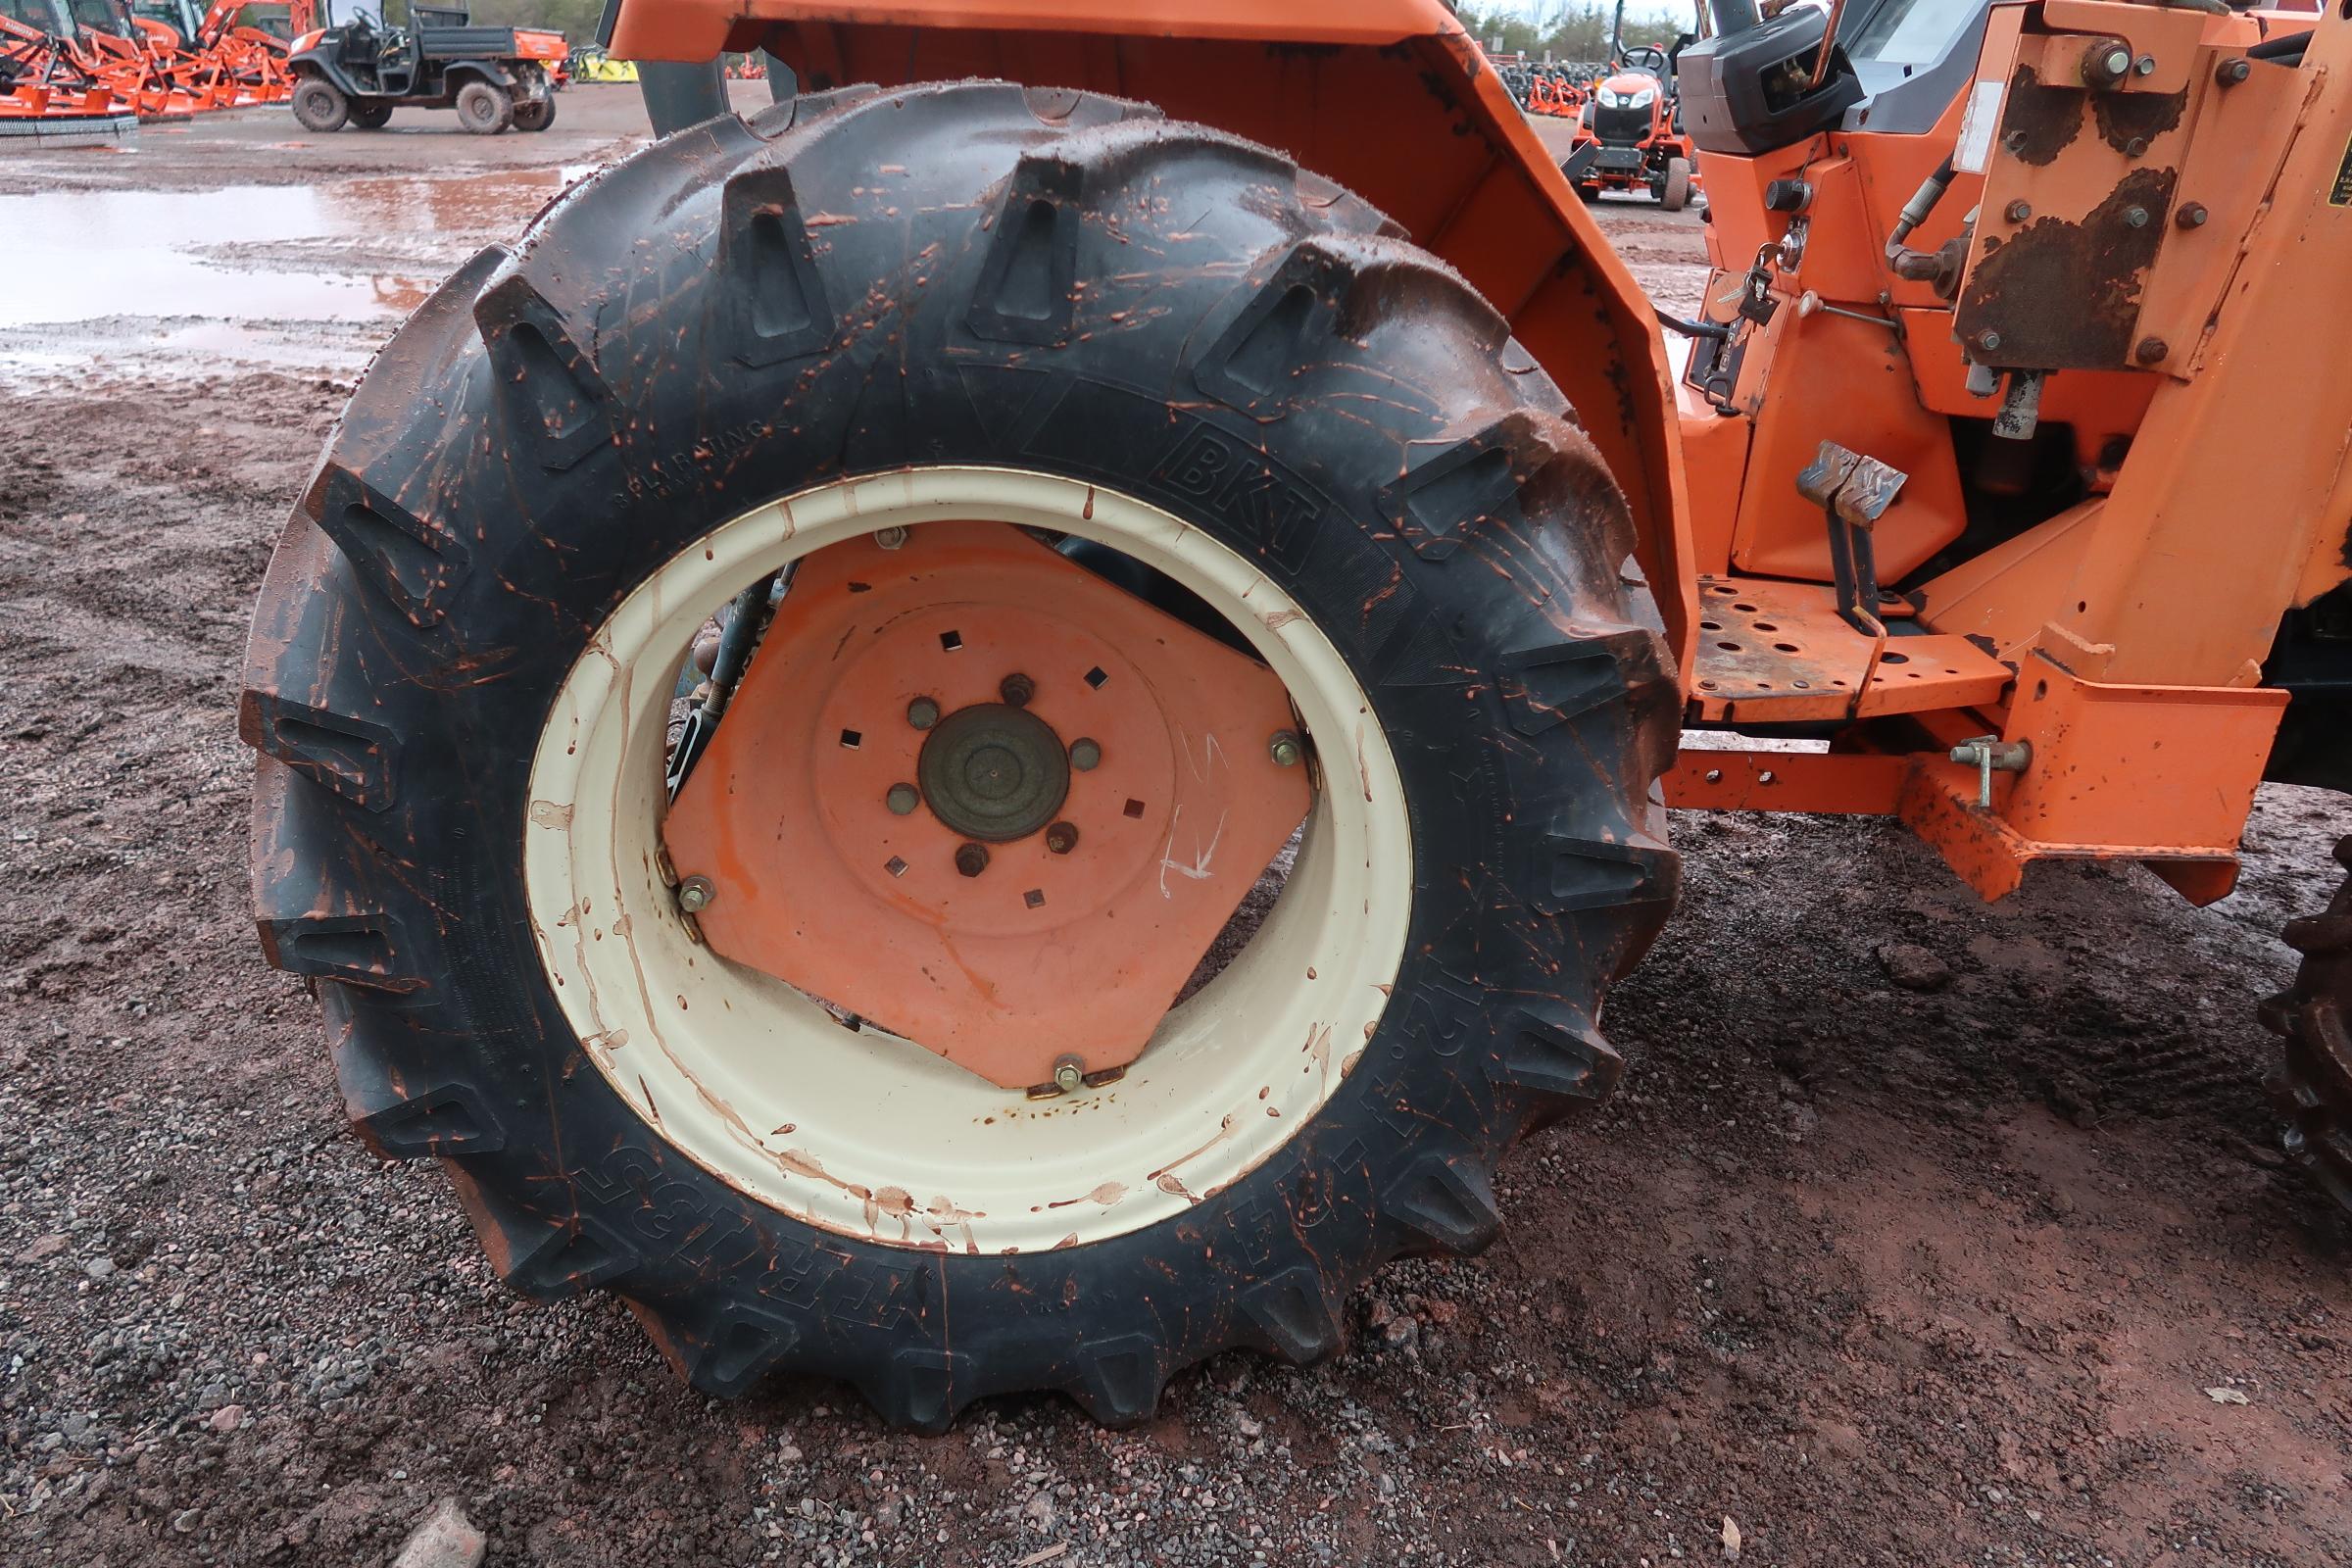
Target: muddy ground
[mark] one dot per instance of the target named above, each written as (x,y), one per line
(2005,1271)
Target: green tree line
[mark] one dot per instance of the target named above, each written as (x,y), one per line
(1574,29)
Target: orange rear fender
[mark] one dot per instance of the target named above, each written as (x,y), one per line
(1391,98)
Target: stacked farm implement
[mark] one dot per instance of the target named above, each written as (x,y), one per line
(93,71)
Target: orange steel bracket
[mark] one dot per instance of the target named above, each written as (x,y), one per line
(1391,98)
(2164,774)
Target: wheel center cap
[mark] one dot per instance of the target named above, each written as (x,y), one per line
(994,773)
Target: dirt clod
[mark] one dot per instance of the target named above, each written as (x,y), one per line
(1914,967)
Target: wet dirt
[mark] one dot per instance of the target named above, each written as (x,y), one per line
(1996,1264)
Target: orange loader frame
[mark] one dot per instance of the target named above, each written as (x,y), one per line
(2089,688)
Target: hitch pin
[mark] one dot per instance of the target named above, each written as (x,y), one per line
(1989,755)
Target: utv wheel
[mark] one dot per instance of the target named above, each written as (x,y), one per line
(484,108)
(1674,193)
(2312,1088)
(860,1058)
(371,116)
(537,114)
(320,105)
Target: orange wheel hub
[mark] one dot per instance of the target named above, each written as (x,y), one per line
(977,794)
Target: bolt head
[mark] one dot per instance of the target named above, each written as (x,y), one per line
(922,713)
(1063,837)
(2136,217)
(1016,689)
(2144,65)
(890,538)
(902,799)
(1085,754)
(1285,748)
(2151,349)
(1068,1074)
(2018,211)
(2229,72)
(2137,147)
(2116,62)
(696,894)
(2191,216)
(1989,340)
(971,859)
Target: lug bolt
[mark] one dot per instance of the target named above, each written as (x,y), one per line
(901,799)
(890,538)
(2017,211)
(1285,748)
(695,894)
(1085,754)
(971,859)
(922,713)
(1063,837)
(2136,217)
(2151,350)
(2191,216)
(2229,72)
(1068,1074)
(1016,689)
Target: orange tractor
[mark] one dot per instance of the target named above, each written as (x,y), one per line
(1629,135)
(1197,634)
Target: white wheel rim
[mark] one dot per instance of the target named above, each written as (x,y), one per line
(871,1136)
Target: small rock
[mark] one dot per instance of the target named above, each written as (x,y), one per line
(1040,1512)
(446,1540)
(1914,967)
(99,1268)
(186,1521)
(46,1248)
(227,1418)
(2227,1396)
(2263,1154)
(1248,1425)
(1731,1537)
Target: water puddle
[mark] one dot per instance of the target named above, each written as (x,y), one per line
(312,276)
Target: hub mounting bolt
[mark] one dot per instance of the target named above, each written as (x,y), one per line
(890,538)
(922,713)
(902,799)
(1063,837)
(1285,748)
(1016,689)
(1068,1074)
(696,894)
(971,859)
(1085,754)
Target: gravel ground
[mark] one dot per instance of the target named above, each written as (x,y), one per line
(1923,1232)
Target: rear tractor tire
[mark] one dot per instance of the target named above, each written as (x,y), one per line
(373,115)
(1258,398)
(2312,1088)
(320,105)
(484,108)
